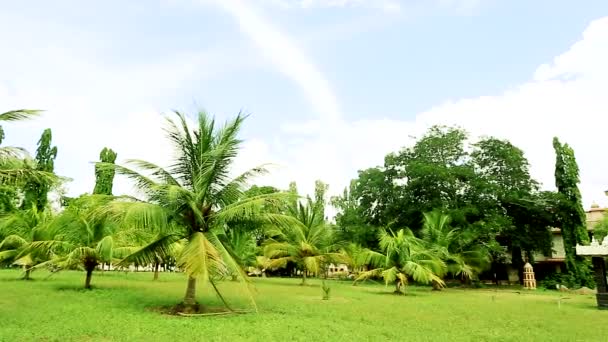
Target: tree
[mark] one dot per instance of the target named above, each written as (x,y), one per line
(18,230)
(36,193)
(15,170)
(196,196)
(571,214)
(320,191)
(403,257)
(308,241)
(104,177)
(11,116)
(350,221)
(82,236)
(463,255)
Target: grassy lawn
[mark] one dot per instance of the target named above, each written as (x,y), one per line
(120,308)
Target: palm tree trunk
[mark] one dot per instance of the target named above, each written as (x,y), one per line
(303,278)
(436,286)
(190,297)
(397,287)
(156,266)
(27,270)
(87,281)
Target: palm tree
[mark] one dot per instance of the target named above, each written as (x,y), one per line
(453,247)
(11,116)
(242,246)
(17,231)
(82,238)
(197,196)
(308,242)
(404,256)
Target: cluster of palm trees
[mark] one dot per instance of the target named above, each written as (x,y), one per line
(198,214)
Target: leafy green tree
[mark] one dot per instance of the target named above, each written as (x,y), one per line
(571,214)
(308,241)
(508,201)
(15,169)
(350,222)
(600,231)
(403,257)
(36,192)
(104,177)
(196,196)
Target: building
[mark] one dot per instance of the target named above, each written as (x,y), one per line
(555,261)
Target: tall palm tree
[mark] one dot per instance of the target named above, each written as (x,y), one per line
(463,258)
(404,256)
(198,197)
(308,241)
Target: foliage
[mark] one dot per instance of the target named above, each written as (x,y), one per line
(104,177)
(18,230)
(463,257)
(80,237)
(36,192)
(571,214)
(307,241)
(403,257)
(600,231)
(195,196)
(350,222)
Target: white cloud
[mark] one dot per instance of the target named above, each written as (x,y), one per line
(286,56)
(566,98)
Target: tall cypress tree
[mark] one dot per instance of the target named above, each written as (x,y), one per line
(104,177)
(36,191)
(571,214)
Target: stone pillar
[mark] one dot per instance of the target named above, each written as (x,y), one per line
(599,269)
(529,280)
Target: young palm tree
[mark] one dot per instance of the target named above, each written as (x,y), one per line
(197,196)
(17,231)
(404,256)
(242,246)
(452,247)
(81,238)
(308,241)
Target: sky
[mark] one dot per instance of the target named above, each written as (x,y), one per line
(331,86)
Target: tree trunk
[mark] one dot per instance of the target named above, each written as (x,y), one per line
(87,282)
(156,266)
(436,286)
(397,287)
(303,278)
(27,270)
(190,297)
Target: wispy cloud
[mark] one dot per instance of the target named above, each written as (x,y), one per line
(286,56)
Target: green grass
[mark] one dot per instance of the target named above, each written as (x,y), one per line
(120,308)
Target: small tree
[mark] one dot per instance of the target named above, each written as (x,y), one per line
(404,256)
(307,241)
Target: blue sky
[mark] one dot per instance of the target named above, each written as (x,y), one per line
(331,85)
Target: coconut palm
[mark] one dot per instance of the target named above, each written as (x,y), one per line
(11,116)
(404,256)
(308,241)
(198,197)
(242,246)
(81,238)
(462,258)
(18,230)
